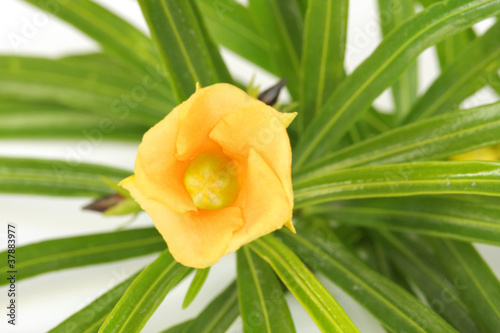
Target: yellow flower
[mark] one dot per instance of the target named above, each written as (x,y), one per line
(215,174)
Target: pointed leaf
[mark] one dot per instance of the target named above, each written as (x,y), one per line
(145,294)
(322,65)
(114,34)
(91,317)
(401,180)
(467,74)
(382,68)
(420,266)
(179,328)
(187,53)
(404,91)
(218,315)
(195,287)
(111,93)
(316,300)
(282,24)
(394,307)
(64,253)
(36,120)
(262,305)
(55,178)
(232,26)
(436,138)
(478,285)
(477,220)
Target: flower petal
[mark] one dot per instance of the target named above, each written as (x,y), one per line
(260,129)
(208,106)
(195,239)
(159,175)
(263,202)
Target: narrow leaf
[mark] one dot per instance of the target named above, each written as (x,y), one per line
(394,307)
(187,53)
(114,34)
(436,138)
(179,328)
(56,178)
(462,78)
(64,253)
(218,315)
(282,24)
(382,68)
(449,49)
(316,300)
(420,266)
(36,120)
(232,26)
(404,91)
(90,318)
(145,294)
(195,287)
(262,305)
(401,180)
(477,220)
(111,93)
(478,285)
(322,65)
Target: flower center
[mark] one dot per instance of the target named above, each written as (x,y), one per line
(212,182)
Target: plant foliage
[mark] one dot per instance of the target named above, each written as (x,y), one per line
(379,209)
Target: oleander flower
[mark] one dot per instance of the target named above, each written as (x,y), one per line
(215,174)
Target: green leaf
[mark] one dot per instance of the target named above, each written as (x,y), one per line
(436,138)
(383,67)
(56,178)
(114,34)
(404,91)
(90,318)
(449,49)
(477,284)
(322,64)
(232,26)
(477,220)
(397,310)
(218,315)
(187,53)
(262,305)
(53,255)
(104,62)
(145,294)
(282,23)
(419,265)
(401,180)
(36,120)
(195,287)
(316,300)
(467,74)
(111,93)
(179,328)
(377,257)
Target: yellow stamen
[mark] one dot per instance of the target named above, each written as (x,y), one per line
(212,182)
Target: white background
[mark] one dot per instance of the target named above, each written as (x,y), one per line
(46,300)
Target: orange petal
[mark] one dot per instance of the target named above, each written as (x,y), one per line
(260,129)
(159,175)
(195,239)
(208,106)
(263,202)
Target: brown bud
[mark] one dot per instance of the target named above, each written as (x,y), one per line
(104,203)
(270,96)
